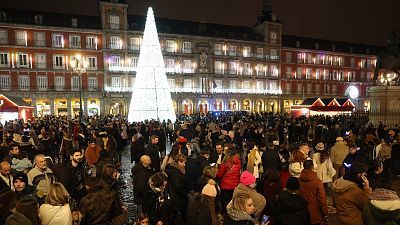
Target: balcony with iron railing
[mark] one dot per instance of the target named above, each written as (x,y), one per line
(200,90)
(3,41)
(52,88)
(40,43)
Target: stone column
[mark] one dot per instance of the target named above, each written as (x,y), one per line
(51,100)
(85,106)
(69,107)
(34,104)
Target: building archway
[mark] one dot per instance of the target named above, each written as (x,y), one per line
(272,106)
(187,107)
(218,105)
(203,106)
(246,105)
(233,105)
(116,108)
(259,106)
(175,107)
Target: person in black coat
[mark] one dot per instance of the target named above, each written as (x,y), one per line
(158,205)
(153,153)
(290,208)
(72,174)
(178,187)
(217,154)
(194,169)
(137,148)
(141,174)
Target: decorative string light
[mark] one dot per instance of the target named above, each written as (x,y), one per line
(151,97)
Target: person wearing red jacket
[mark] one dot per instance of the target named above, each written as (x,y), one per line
(229,176)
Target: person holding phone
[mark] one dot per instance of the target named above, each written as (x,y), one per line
(350,193)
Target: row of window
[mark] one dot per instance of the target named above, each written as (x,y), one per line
(57,39)
(323,59)
(326,74)
(42,83)
(218,84)
(39,60)
(234,67)
(311,88)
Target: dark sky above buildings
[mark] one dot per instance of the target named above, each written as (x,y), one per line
(358,21)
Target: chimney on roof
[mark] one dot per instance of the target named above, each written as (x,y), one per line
(267,7)
(74,22)
(202,25)
(333,48)
(38,19)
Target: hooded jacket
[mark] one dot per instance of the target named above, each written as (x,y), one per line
(338,152)
(290,209)
(55,214)
(349,199)
(235,217)
(258,200)
(312,190)
(384,211)
(18,218)
(178,186)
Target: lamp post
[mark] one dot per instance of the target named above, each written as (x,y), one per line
(79,66)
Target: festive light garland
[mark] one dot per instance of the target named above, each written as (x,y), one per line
(151,97)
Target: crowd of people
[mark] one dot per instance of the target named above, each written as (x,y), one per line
(228,169)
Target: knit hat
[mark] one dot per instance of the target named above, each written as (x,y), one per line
(21,176)
(293,184)
(339,139)
(320,147)
(247,178)
(209,189)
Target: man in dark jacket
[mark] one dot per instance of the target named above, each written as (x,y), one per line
(153,153)
(217,155)
(72,175)
(141,174)
(290,208)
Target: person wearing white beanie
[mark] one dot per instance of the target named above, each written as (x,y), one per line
(202,209)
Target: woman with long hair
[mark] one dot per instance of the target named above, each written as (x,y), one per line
(26,213)
(239,211)
(296,163)
(56,209)
(229,176)
(325,170)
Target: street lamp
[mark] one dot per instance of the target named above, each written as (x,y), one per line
(79,66)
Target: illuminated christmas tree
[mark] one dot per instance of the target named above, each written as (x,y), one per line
(151,97)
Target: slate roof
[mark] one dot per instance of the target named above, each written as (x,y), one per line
(181,27)
(326,45)
(326,101)
(19,16)
(342,100)
(171,26)
(18,101)
(309,101)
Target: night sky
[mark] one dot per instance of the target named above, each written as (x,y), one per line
(358,21)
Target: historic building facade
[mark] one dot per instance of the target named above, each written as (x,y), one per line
(35,54)
(209,66)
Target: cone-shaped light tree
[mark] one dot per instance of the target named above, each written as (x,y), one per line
(151,97)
